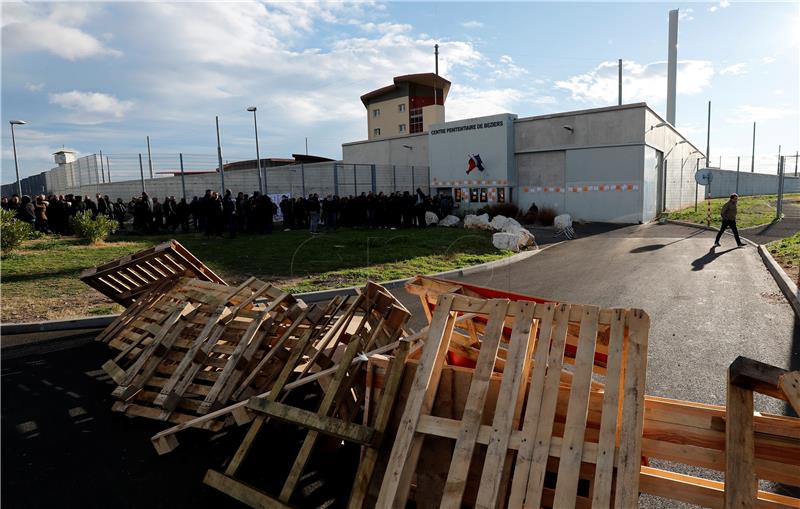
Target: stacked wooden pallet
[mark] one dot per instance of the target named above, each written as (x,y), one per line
(126,279)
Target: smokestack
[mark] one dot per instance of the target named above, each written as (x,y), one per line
(672,65)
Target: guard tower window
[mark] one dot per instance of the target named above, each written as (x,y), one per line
(415,120)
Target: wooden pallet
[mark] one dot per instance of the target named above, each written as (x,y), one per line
(127,278)
(373,319)
(523,433)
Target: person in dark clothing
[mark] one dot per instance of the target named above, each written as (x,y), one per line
(145,212)
(26,211)
(312,205)
(419,208)
(286,212)
(120,210)
(196,210)
(158,216)
(229,210)
(91,206)
(182,211)
(267,210)
(728,214)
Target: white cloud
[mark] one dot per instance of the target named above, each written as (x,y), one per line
(686,14)
(722,5)
(472,24)
(640,82)
(95,105)
(53,28)
(750,113)
(768,60)
(734,70)
(34,87)
(507,69)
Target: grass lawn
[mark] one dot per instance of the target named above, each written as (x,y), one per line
(751,211)
(787,253)
(40,281)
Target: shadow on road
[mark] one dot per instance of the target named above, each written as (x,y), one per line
(655,247)
(713,254)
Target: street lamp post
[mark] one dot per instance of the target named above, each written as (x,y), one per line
(14,144)
(258,155)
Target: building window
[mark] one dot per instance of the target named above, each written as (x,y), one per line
(484,195)
(458,195)
(402,128)
(376,113)
(473,195)
(376,131)
(401,108)
(415,119)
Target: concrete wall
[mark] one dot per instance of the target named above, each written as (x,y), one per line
(724,184)
(389,119)
(389,151)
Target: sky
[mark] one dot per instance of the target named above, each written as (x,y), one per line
(102,76)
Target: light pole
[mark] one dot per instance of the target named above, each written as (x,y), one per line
(14,144)
(258,156)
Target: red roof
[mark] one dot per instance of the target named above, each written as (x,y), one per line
(427,79)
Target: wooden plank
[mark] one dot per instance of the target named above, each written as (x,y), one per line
(601,493)
(241,491)
(473,410)
(789,383)
(314,421)
(741,484)
(508,402)
(756,376)
(540,433)
(382,414)
(630,429)
(575,425)
(405,450)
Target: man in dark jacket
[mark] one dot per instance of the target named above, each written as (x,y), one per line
(728,213)
(26,211)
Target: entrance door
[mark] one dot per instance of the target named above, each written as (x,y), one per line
(662,183)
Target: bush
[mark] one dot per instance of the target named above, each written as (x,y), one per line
(92,230)
(12,231)
(500,209)
(546,215)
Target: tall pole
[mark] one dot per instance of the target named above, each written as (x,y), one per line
(708,136)
(779,204)
(141,171)
(779,157)
(737,174)
(102,167)
(306,145)
(219,158)
(672,65)
(16,163)
(619,83)
(108,169)
(149,159)
(183,180)
(796,154)
(258,154)
(436,76)
(753,156)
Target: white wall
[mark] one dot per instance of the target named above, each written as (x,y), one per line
(723,184)
(388,151)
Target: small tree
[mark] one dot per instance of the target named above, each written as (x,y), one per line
(12,231)
(92,230)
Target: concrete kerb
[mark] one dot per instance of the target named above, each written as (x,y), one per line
(100,322)
(787,286)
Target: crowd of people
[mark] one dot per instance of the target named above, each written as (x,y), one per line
(217,214)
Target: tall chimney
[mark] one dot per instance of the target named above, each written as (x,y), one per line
(672,65)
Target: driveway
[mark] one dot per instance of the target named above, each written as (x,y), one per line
(707,306)
(788,226)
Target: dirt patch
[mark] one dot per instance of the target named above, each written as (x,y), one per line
(793,271)
(31,309)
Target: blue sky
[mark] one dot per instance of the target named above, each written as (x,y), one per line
(102,76)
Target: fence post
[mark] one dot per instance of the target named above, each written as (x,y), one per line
(102,168)
(141,171)
(412,179)
(696,185)
(394,177)
(303,177)
(336,179)
(372,174)
(355,181)
(183,180)
(737,174)
(796,155)
(108,169)
(779,205)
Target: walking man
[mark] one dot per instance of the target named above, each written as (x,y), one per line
(728,213)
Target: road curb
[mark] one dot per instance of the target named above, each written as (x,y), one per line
(30,333)
(709,228)
(787,286)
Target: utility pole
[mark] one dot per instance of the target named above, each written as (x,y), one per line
(796,154)
(779,157)
(141,171)
(753,156)
(619,83)
(436,77)
(737,174)
(149,159)
(672,65)
(183,180)
(779,205)
(306,145)
(708,136)
(102,168)
(108,169)
(219,158)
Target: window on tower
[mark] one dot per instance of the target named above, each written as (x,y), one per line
(415,120)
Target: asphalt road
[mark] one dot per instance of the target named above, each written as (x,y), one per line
(63,447)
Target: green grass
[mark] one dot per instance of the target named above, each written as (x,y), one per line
(787,250)
(40,281)
(751,211)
